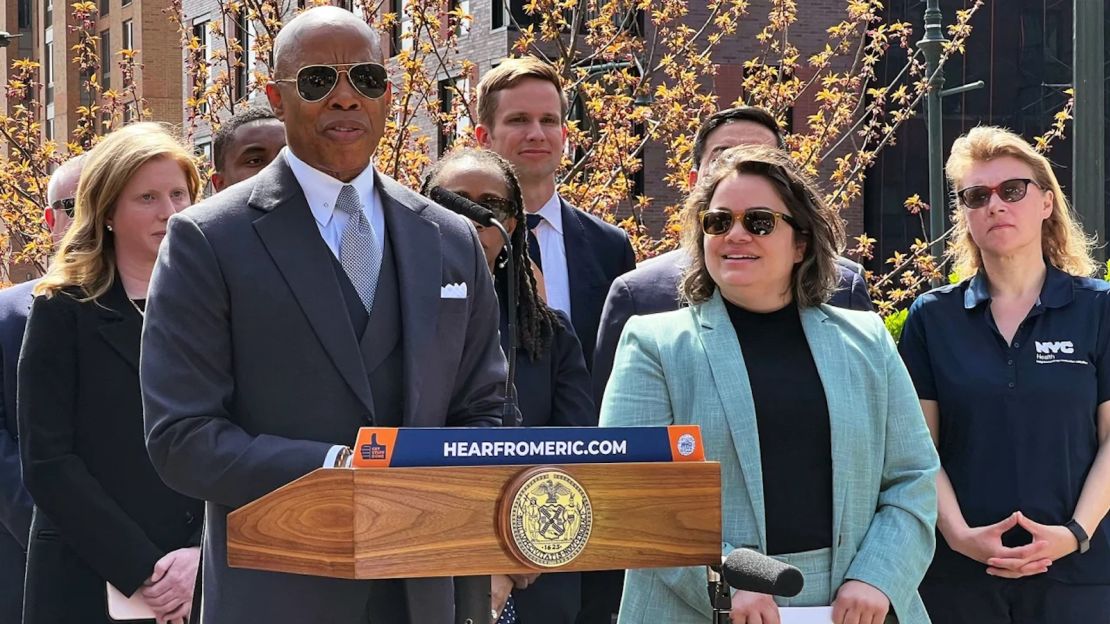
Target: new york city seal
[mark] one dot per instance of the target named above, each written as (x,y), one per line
(549,518)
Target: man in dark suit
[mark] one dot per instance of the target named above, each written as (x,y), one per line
(314,298)
(653,286)
(15,303)
(521,116)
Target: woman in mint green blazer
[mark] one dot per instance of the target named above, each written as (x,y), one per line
(826,461)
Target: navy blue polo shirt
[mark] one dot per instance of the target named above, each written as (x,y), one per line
(1018,422)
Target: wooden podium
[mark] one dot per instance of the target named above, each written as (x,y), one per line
(427,522)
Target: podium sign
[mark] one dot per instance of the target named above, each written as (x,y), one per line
(478,520)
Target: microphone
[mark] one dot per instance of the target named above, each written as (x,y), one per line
(460,205)
(748,570)
(510,415)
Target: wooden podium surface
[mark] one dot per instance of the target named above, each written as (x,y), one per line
(426,522)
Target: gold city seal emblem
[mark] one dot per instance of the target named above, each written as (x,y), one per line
(550,518)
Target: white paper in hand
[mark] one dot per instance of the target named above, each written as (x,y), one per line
(122,608)
(805,615)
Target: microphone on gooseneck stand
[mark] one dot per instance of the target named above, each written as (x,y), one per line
(510,416)
(748,570)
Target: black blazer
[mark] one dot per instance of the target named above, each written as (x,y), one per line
(102,513)
(15,502)
(555,390)
(251,371)
(597,252)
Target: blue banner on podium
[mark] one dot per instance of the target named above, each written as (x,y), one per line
(380,447)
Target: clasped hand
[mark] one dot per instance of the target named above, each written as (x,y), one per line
(169,590)
(984,544)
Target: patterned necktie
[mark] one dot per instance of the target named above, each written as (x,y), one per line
(508,614)
(359,254)
(534,221)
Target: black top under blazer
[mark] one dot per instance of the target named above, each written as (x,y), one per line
(102,513)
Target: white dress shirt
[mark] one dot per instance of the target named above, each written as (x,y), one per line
(553,254)
(321,190)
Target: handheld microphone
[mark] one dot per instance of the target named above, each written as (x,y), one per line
(510,416)
(747,570)
(460,205)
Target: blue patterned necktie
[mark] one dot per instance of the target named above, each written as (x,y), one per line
(534,221)
(359,253)
(508,614)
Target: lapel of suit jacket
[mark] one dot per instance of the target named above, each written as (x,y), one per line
(292,237)
(831,357)
(730,377)
(582,266)
(120,326)
(416,250)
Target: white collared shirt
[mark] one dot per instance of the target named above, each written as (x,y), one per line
(321,190)
(553,254)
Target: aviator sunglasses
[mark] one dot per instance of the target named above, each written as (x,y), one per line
(1009,191)
(757,221)
(315,82)
(65,205)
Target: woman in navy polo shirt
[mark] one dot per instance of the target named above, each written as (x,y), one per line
(1012,367)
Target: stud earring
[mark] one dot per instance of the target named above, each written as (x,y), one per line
(109,226)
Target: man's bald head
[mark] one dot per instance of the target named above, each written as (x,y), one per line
(287,52)
(62,189)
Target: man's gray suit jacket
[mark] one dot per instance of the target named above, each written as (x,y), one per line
(251,371)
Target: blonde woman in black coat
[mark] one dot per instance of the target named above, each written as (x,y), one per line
(102,515)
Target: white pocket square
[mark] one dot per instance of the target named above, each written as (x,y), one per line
(453,291)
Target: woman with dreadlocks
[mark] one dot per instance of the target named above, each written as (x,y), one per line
(553,385)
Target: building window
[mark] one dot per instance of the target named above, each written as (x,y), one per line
(448,101)
(519,15)
(105,6)
(462,26)
(128,35)
(48,71)
(245,33)
(402,27)
(24,16)
(106,59)
(48,17)
(200,33)
(497,14)
(124,2)
(48,128)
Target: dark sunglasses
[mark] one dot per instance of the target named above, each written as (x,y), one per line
(757,221)
(65,205)
(1009,191)
(315,82)
(501,208)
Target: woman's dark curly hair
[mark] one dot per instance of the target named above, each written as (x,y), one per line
(815,277)
(535,321)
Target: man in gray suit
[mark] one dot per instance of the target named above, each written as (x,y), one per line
(291,309)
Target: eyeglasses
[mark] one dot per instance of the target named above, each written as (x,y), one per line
(757,221)
(65,205)
(315,82)
(1009,191)
(502,208)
